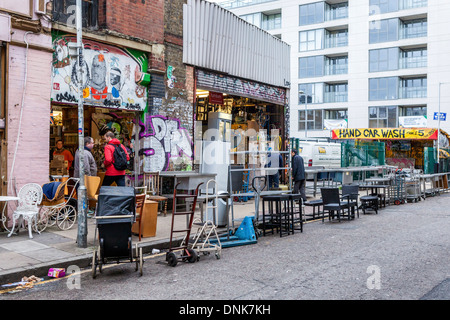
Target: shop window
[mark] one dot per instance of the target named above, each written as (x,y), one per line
(63,11)
(413,111)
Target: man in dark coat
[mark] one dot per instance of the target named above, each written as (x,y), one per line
(298,174)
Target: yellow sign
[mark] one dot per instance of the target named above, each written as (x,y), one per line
(386,133)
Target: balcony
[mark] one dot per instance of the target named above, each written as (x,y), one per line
(412,92)
(336,11)
(413,62)
(411,4)
(233,4)
(413,29)
(335,39)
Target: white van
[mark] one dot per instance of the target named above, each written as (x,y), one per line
(320,154)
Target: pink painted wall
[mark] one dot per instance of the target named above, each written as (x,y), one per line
(32,157)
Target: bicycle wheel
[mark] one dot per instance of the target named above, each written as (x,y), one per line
(66,217)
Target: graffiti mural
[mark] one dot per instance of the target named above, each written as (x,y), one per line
(166,145)
(111,76)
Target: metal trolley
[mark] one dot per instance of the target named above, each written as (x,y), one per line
(399,190)
(206,239)
(115,215)
(188,202)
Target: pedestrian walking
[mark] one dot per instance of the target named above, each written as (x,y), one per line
(298,174)
(116,158)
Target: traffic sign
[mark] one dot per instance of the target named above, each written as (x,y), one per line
(442,117)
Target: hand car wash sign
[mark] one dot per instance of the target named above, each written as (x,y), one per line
(385,133)
(112,77)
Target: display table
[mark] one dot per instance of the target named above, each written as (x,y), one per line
(148,220)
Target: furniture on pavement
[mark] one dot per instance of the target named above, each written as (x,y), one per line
(333,202)
(30,196)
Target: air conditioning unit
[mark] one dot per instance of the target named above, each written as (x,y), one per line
(40,6)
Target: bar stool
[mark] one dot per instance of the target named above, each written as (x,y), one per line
(369,202)
(315,204)
(276,217)
(294,208)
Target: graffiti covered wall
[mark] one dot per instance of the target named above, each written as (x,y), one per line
(165,145)
(111,76)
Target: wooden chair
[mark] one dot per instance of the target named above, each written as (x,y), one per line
(140,200)
(152,182)
(92,184)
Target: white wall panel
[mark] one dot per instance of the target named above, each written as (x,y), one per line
(216,39)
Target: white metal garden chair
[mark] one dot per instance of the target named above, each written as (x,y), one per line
(30,196)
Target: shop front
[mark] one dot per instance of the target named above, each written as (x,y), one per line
(403,147)
(114,85)
(248,116)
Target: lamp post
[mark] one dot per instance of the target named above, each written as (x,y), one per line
(439,124)
(302,93)
(81,192)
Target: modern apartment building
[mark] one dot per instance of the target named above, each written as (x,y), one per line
(360,63)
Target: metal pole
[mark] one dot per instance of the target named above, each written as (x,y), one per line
(81,192)
(306,115)
(439,128)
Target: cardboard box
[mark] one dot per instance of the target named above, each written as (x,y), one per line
(56,272)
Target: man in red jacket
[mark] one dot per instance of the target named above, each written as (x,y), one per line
(112,174)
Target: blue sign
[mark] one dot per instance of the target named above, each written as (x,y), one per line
(442,117)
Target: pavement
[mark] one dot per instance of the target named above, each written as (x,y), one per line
(21,256)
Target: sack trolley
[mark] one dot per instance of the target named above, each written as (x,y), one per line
(188,201)
(203,239)
(115,215)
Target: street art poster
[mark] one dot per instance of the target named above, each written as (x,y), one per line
(385,133)
(112,77)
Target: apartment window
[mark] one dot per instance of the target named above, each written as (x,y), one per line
(271,21)
(414,28)
(311,40)
(383,30)
(313,92)
(314,120)
(383,88)
(312,13)
(254,18)
(383,117)
(336,92)
(413,111)
(336,65)
(413,58)
(336,114)
(383,6)
(411,88)
(383,59)
(311,67)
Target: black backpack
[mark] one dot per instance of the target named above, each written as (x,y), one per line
(120,158)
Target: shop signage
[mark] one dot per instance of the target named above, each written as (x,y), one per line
(385,133)
(412,122)
(244,88)
(112,77)
(215,97)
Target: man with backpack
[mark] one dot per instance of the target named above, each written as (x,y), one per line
(116,158)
